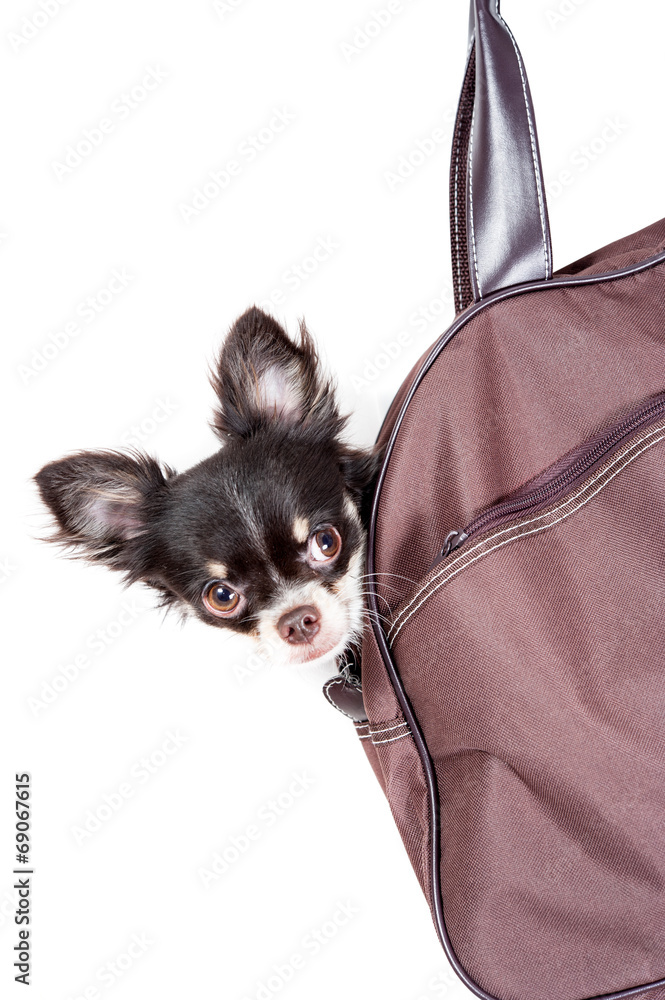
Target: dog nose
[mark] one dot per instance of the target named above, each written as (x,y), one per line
(299,624)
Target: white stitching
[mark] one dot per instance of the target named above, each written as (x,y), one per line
(389,729)
(525,534)
(381,732)
(512,528)
(391,740)
(456,216)
(333,680)
(532,134)
(473,230)
(515,527)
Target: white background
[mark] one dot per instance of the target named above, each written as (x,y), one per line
(248,731)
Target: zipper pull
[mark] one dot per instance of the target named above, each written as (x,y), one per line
(452,541)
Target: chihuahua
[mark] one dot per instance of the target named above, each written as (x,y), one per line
(265,537)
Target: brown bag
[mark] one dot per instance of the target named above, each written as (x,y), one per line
(513,681)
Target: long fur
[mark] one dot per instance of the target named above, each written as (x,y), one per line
(282,464)
(255,347)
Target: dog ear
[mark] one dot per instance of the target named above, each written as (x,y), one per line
(262,377)
(103,503)
(360,468)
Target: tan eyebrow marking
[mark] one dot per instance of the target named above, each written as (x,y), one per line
(351,509)
(300,530)
(217,570)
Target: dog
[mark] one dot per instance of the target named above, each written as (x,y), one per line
(267,536)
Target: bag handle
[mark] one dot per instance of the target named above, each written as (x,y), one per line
(499,228)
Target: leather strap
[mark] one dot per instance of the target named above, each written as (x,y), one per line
(346,696)
(498,214)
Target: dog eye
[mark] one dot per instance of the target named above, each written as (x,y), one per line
(325,544)
(219,599)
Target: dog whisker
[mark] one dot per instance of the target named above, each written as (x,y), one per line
(237,540)
(397,576)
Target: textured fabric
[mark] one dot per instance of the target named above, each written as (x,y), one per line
(397,765)
(622,253)
(534,662)
(555,760)
(522,383)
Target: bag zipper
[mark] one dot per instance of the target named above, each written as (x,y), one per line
(558,477)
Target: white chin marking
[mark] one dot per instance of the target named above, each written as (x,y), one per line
(340,619)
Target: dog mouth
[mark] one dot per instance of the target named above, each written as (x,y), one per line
(315,636)
(325,642)
(308,636)
(315,623)
(312,654)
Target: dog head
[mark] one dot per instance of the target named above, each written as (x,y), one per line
(265,537)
